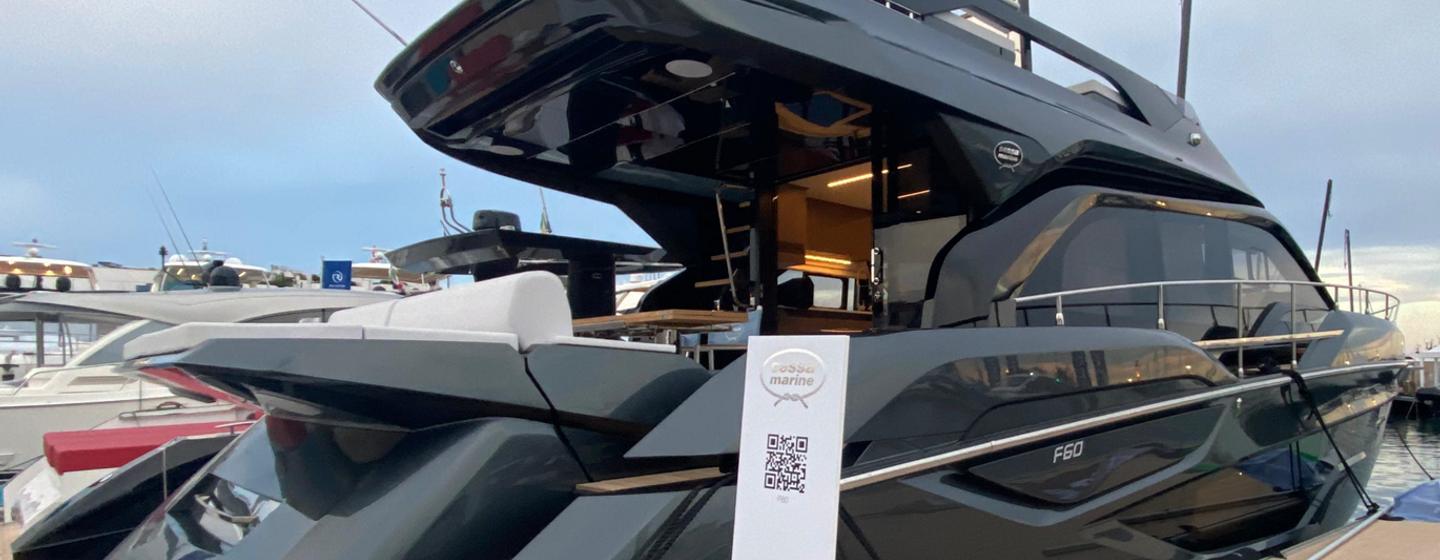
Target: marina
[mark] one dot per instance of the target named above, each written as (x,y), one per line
(830,279)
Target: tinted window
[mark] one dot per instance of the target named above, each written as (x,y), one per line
(113,350)
(1110,246)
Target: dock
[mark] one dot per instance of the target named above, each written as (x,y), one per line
(8,533)
(1373,538)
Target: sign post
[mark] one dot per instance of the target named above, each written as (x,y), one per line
(335,275)
(787,493)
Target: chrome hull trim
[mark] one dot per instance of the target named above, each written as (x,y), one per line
(935,461)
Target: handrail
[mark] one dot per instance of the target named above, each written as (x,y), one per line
(1388,312)
(903,468)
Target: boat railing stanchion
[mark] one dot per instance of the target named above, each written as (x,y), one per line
(1059,311)
(1239,329)
(1160,308)
(1295,346)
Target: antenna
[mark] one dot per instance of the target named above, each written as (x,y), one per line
(377,255)
(1324,217)
(161,215)
(544,212)
(178,225)
(32,247)
(1184,47)
(446,203)
(380,23)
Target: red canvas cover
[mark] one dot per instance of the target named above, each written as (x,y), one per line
(110,448)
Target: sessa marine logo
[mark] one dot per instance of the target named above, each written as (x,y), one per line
(337,277)
(1008,155)
(793,375)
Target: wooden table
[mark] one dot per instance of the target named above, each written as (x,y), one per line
(679,320)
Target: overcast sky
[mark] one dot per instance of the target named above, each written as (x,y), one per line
(261,120)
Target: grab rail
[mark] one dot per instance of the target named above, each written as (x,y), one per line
(1389,311)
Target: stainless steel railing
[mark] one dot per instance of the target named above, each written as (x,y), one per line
(1388,309)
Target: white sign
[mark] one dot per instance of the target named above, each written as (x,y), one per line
(787,495)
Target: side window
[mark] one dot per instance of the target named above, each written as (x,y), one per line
(1113,246)
(113,350)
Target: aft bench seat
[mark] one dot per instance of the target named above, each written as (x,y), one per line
(520,310)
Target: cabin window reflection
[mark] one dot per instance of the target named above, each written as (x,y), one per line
(1113,246)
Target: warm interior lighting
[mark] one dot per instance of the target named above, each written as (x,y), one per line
(16,270)
(1160,203)
(830,260)
(858,178)
(913,194)
(49,272)
(68,270)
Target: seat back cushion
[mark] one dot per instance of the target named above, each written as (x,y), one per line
(530,305)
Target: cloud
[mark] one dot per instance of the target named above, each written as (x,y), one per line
(1409,272)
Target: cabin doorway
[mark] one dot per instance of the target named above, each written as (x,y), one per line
(854,240)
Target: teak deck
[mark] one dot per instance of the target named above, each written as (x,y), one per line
(1381,540)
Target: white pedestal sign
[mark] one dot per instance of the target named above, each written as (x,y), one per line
(787,495)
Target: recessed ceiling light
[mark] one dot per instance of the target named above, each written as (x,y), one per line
(686,68)
(503,150)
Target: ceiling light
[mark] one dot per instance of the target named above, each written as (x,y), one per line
(913,194)
(859,178)
(830,260)
(686,68)
(503,150)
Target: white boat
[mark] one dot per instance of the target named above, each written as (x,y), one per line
(31,272)
(182,272)
(93,387)
(379,275)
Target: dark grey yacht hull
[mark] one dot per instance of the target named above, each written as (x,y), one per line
(1175,464)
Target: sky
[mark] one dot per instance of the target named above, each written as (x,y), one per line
(261,121)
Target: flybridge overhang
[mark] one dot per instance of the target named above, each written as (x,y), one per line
(614,99)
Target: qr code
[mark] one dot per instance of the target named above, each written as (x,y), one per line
(785,462)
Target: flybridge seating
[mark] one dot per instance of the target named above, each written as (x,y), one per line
(522,311)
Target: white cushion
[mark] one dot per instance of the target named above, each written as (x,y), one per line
(440,335)
(190,335)
(608,343)
(530,305)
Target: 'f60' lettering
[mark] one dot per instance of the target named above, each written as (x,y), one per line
(1068,451)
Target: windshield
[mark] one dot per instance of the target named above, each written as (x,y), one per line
(111,349)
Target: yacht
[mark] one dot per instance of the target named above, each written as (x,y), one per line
(19,340)
(377,274)
(182,272)
(71,427)
(92,387)
(1026,267)
(33,272)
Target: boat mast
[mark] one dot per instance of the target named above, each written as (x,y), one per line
(1184,47)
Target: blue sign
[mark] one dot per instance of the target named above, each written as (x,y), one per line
(335,275)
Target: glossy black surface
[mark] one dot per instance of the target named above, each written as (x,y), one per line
(94,520)
(361,381)
(290,489)
(1080,469)
(963,383)
(1249,473)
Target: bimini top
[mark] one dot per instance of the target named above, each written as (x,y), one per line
(229,306)
(618,99)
